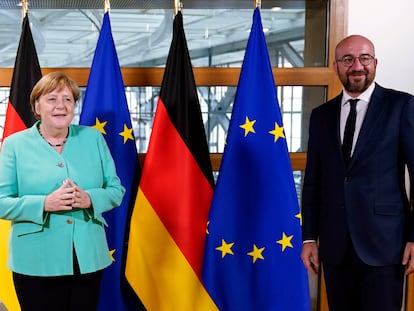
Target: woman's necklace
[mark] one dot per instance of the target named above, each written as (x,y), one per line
(54,145)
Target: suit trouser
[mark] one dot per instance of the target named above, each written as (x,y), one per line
(354,285)
(78,292)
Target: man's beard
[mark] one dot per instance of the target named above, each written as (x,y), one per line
(357,87)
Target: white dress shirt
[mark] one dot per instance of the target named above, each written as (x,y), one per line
(361,108)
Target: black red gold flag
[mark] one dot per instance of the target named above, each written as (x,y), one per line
(19,116)
(25,75)
(169,220)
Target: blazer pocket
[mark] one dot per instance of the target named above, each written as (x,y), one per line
(387,209)
(25,228)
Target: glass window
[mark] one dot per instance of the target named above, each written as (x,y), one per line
(216,36)
(216,104)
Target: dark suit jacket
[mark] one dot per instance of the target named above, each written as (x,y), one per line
(365,201)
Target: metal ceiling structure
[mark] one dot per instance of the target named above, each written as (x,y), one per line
(66,32)
(151,4)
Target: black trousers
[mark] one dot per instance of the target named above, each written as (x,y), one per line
(78,292)
(354,285)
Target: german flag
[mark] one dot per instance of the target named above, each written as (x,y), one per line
(26,73)
(169,220)
(18,117)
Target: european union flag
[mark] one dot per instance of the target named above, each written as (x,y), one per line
(105,108)
(252,257)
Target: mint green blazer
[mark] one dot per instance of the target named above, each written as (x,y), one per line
(40,243)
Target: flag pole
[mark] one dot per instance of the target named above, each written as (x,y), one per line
(25,8)
(258,4)
(178,6)
(107,6)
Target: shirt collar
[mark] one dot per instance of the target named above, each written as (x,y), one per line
(365,96)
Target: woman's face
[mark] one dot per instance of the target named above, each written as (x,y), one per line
(56,109)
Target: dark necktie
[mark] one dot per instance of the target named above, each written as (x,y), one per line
(349,131)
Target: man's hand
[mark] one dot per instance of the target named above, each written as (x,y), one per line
(310,257)
(408,258)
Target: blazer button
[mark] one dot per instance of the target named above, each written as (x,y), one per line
(347,179)
(69,221)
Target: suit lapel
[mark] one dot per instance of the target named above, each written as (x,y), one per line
(372,117)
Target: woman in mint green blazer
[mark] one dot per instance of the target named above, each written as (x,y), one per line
(56,181)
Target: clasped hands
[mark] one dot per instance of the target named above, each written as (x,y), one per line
(67,197)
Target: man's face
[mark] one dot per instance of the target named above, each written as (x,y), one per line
(355,64)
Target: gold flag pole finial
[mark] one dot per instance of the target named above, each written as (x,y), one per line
(25,8)
(178,6)
(258,4)
(107,6)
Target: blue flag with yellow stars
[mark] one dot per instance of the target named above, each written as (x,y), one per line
(252,256)
(105,108)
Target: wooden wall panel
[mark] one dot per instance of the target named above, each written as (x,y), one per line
(311,76)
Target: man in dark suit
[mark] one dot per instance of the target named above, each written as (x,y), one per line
(354,200)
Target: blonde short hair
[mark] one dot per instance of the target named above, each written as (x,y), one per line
(56,80)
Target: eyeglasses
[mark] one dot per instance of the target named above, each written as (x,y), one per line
(364,60)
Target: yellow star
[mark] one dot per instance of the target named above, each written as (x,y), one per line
(111,253)
(225,248)
(299,216)
(285,241)
(277,132)
(256,253)
(208,222)
(127,134)
(248,126)
(100,126)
